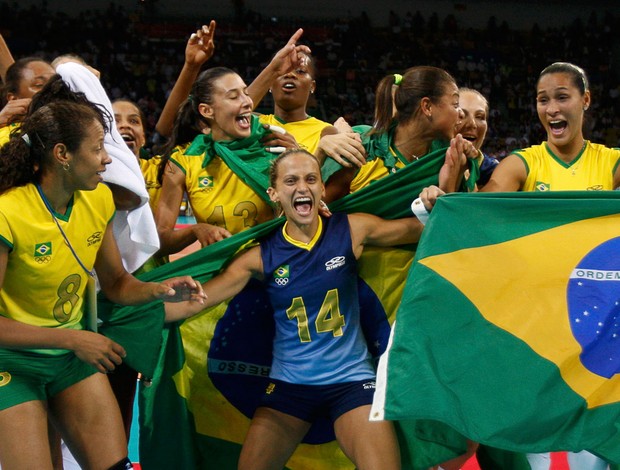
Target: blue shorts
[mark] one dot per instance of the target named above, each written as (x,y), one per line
(309,402)
(27,376)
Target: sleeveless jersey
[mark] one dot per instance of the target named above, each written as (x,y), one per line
(218,196)
(593,169)
(313,291)
(307,133)
(44,284)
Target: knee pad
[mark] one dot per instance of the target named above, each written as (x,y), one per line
(124,464)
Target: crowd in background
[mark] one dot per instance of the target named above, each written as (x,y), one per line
(140,54)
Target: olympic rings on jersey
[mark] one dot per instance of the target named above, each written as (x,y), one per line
(43,259)
(281,281)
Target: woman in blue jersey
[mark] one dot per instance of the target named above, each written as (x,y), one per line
(55,234)
(321,364)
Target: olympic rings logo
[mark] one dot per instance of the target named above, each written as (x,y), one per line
(43,259)
(5,378)
(281,281)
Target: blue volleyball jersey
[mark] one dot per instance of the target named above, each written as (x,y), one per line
(313,290)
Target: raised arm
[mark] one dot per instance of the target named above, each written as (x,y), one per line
(199,49)
(368,229)
(285,60)
(6,59)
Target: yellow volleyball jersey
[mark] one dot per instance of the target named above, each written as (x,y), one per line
(373,170)
(218,196)
(5,132)
(593,169)
(307,133)
(44,284)
(149,168)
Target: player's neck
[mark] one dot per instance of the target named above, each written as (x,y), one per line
(301,232)
(56,194)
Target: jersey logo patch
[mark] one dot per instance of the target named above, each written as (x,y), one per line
(540,186)
(43,252)
(281,275)
(94,238)
(205,182)
(5,378)
(334,263)
(596,187)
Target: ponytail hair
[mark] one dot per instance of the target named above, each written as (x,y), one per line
(30,149)
(401,100)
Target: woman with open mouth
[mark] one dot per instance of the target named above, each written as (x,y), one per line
(321,364)
(415,114)
(565,161)
(223,172)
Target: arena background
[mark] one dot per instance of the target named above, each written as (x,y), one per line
(495,47)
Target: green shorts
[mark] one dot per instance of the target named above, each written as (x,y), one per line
(27,376)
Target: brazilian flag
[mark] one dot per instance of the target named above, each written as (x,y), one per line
(508,330)
(206,375)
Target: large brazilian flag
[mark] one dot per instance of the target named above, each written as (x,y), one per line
(205,383)
(508,330)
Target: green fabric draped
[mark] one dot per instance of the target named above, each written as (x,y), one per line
(381,145)
(246,157)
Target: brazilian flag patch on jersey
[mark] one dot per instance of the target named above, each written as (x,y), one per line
(540,186)
(281,275)
(42,249)
(205,182)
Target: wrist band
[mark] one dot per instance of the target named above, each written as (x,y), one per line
(418,209)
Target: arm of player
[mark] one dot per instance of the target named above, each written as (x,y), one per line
(92,348)
(368,229)
(225,285)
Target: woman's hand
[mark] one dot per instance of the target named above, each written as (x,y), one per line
(13,109)
(208,234)
(277,140)
(180,289)
(345,148)
(200,46)
(429,196)
(100,352)
(290,56)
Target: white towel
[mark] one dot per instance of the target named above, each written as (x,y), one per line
(135,231)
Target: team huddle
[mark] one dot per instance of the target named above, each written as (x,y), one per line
(60,380)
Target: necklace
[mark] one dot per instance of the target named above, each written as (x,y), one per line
(576,167)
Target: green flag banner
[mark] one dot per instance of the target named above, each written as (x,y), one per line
(508,330)
(212,369)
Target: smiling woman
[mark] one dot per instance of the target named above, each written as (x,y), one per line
(321,365)
(566,161)
(224,171)
(55,233)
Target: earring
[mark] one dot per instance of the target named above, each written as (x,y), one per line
(65,166)
(269,90)
(585,108)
